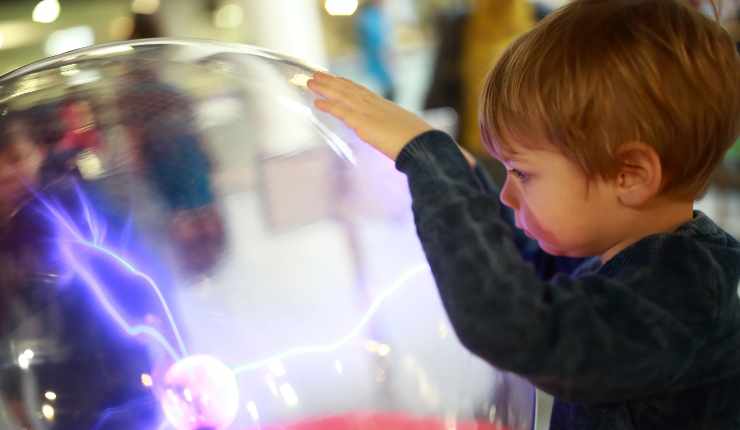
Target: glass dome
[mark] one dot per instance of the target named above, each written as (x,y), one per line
(187,244)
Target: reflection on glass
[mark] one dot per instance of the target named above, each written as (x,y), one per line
(187,244)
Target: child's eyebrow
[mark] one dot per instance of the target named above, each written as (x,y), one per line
(510,155)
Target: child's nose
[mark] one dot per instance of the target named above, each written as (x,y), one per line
(507,195)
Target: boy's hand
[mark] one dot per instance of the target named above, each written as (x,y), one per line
(379,122)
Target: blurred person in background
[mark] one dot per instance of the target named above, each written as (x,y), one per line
(67,130)
(373,32)
(161,123)
(470,42)
(80,130)
(20,163)
(47,302)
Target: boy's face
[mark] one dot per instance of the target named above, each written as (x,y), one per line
(556,205)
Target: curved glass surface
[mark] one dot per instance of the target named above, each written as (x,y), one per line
(187,244)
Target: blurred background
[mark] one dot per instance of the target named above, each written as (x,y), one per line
(326,32)
(428,55)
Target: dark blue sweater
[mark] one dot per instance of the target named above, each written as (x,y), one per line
(649,340)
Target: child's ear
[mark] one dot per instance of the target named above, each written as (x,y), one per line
(640,174)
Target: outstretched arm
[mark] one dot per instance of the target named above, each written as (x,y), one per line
(388,128)
(590,339)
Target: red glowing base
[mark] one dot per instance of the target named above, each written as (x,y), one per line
(381,421)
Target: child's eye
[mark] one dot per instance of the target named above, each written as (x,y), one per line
(519,174)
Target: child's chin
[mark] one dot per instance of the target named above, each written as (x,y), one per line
(552,250)
(558,252)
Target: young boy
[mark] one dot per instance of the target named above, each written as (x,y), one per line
(610,117)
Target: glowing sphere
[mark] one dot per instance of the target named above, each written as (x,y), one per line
(200,392)
(186,243)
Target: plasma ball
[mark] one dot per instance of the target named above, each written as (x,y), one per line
(200,391)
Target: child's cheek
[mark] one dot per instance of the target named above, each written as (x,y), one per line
(538,230)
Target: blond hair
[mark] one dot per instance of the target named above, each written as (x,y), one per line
(599,73)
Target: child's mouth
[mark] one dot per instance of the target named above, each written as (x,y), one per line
(526,233)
